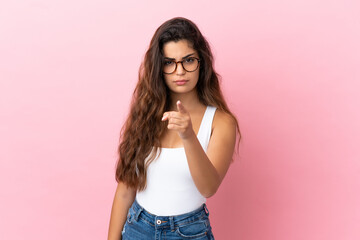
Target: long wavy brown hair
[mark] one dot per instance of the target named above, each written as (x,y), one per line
(143,127)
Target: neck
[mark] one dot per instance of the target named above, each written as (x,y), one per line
(190,100)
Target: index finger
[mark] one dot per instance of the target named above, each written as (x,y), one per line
(180,107)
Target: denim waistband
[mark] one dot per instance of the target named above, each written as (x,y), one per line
(169,221)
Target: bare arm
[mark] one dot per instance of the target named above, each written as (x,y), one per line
(123,199)
(209,169)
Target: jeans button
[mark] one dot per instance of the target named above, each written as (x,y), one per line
(158,221)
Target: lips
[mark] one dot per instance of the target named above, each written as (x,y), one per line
(181,82)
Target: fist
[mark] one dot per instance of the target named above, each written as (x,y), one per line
(179,121)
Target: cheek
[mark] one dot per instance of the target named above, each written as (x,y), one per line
(166,80)
(196,77)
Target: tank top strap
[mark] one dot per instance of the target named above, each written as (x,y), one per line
(205,127)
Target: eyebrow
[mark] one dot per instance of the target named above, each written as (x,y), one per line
(182,58)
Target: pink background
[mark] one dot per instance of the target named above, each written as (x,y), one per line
(290,72)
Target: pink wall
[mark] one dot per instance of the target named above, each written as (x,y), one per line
(290,73)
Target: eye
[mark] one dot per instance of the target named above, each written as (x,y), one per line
(189,60)
(167,62)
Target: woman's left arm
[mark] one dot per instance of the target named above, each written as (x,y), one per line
(207,169)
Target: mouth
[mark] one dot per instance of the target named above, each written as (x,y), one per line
(181,82)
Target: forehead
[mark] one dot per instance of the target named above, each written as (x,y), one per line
(178,49)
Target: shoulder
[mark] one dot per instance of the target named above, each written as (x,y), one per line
(224,122)
(223,119)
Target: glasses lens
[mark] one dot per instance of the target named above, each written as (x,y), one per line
(190,64)
(169,66)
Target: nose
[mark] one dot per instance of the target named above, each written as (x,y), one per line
(179,69)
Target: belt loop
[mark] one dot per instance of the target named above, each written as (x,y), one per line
(206,210)
(138,213)
(172,225)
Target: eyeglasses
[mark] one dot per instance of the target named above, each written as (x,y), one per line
(189,64)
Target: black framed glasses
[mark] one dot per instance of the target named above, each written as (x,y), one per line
(189,64)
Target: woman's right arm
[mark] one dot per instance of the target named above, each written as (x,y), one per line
(124,197)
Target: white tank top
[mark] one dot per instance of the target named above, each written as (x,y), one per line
(170,188)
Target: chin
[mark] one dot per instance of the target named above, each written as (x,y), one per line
(182,90)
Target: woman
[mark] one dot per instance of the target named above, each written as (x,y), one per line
(177,142)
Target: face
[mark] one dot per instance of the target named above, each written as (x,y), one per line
(181,81)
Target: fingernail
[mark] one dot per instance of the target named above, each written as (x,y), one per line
(163,118)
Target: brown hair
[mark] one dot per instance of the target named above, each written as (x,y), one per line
(143,127)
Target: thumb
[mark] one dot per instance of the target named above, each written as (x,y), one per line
(180,107)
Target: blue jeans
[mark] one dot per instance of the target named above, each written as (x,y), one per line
(143,225)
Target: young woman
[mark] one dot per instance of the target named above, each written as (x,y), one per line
(177,142)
